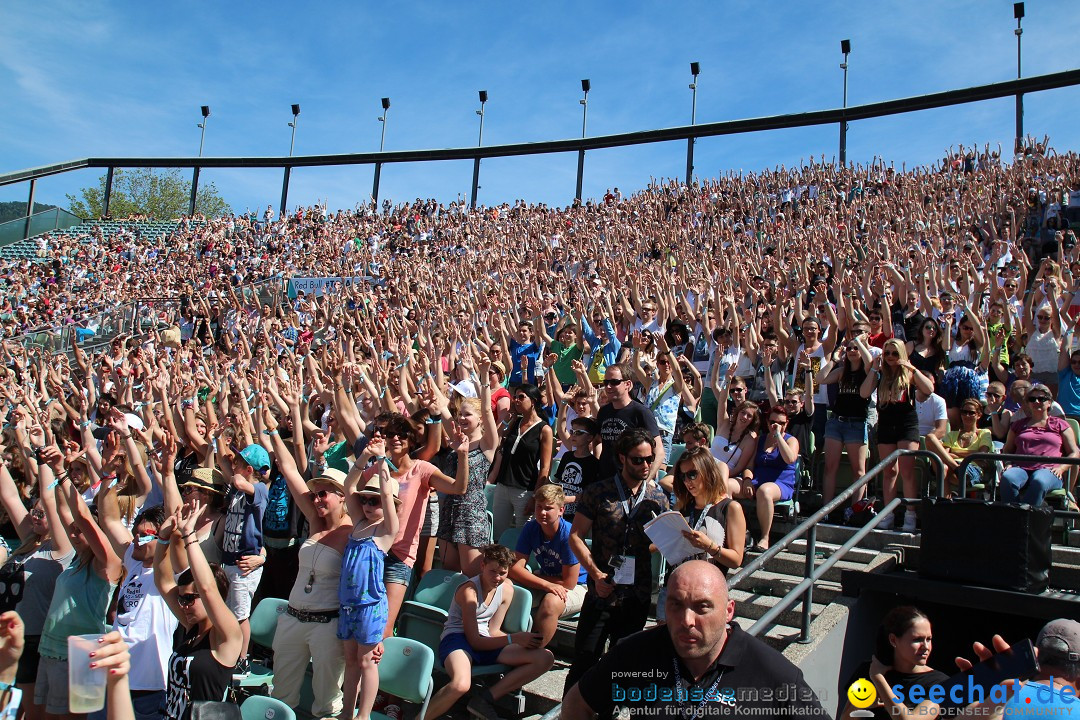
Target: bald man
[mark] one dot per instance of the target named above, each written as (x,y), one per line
(699,661)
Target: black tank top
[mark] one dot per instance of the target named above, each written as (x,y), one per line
(194,674)
(849,402)
(521,456)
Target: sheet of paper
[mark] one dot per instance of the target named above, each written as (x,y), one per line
(666,532)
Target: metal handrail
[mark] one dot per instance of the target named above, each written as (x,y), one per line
(810,522)
(805,589)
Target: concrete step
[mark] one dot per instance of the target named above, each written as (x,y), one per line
(750,607)
(864,556)
(840,534)
(1066,556)
(794,564)
(779,636)
(771,584)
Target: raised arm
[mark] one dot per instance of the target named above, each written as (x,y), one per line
(224,628)
(106,561)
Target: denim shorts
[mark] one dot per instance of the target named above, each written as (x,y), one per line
(846,431)
(395,571)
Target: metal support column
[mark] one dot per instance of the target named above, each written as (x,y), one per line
(285,190)
(585,86)
(845,46)
(194,190)
(1018,11)
(30,208)
(808,597)
(690,142)
(108,192)
(476,160)
(375,186)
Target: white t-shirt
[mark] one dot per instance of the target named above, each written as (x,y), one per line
(1043,349)
(930,411)
(146,623)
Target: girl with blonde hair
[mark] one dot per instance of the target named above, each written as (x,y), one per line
(895,379)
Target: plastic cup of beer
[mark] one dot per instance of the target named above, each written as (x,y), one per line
(86,685)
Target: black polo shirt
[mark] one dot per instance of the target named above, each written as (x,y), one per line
(638,679)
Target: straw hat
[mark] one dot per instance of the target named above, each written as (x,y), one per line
(330,476)
(371,489)
(208,479)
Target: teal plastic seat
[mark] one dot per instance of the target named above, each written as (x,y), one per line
(405,672)
(263,623)
(261,707)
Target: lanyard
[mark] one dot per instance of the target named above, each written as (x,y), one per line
(701,518)
(628,506)
(699,711)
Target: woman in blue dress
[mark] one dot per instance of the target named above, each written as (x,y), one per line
(362,591)
(775,468)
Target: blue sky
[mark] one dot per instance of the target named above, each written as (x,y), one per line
(127,79)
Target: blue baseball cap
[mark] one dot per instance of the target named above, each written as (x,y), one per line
(257,457)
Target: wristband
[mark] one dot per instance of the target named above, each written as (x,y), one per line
(270,432)
(509,640)
(433,420)
(389,462)
(163,542)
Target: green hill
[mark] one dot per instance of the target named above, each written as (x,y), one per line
(17,209)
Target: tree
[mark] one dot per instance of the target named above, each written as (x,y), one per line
(161,194)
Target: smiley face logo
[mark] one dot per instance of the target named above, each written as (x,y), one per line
(862,693)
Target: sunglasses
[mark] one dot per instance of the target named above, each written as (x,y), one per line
(1038,399)
(737,390)
(663,362)
(648,309)
(891,354)
(37,514)
(323,494)
(369,501)
(644,460)
(690,476)
(1043,317)
(187,599)
(390,434)
(578,433)
(612,382)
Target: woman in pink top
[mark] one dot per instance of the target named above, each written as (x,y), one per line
(1042,435)
(415,479)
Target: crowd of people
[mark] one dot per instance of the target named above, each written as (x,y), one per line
(696,348)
